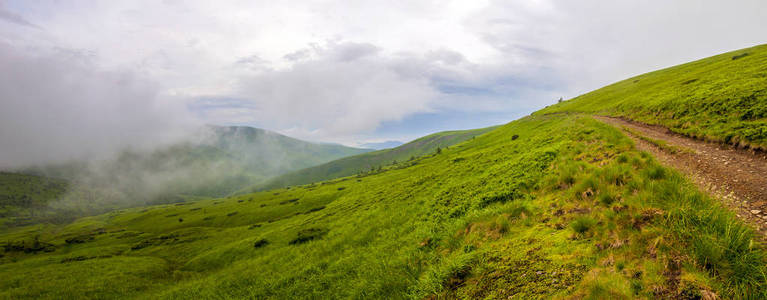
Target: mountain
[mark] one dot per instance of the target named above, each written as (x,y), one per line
(365,162)
(720,98)
(20,193)
(213,163)
(558,204)
(381,145)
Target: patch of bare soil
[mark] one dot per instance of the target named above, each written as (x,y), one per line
(737,176)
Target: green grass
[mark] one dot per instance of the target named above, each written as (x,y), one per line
(489,218)
(21,195)
(663,145)
(721,98)
(230,159)
(371,161)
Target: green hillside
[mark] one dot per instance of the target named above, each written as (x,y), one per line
(369,161)
(554,205)
(215,163)
(20,194)
(219,162)
(720,98)
(569,208)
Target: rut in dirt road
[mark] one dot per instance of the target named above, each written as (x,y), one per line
(737,176)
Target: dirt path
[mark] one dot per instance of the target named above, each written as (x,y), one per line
(739,177)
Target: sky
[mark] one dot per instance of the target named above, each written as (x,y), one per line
(87,77)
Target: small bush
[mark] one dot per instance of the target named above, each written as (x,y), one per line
(27,246)
(260,243)
(307,235)
(315,209)
(80,239)
(285,202)
(690,81)
(739,56)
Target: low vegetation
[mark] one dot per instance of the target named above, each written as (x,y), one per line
(569,208)
(721,98)
(373,161)
(661,144)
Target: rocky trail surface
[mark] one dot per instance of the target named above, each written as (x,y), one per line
(737,176)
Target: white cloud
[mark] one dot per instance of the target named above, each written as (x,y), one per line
(336,70)
(57,105)
(343,89)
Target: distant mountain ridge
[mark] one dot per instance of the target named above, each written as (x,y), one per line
(556,205)
(359,163)
(216,162)
(382,145)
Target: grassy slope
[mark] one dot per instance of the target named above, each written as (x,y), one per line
(364,162)
(233,158)
(228,159)
(721,98)
(21,193)
(570,208)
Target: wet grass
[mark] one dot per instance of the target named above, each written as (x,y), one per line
(721,98)
(568,209)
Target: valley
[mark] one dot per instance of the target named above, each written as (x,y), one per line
(649,188)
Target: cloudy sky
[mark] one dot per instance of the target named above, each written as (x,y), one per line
(101,74)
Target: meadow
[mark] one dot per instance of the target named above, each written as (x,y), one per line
(371,161)
(548,206)
(722,98)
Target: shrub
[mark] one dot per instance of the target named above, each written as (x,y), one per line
(84,238)
(739,56)
(309,234)
(285,202)
(319,208)
(260,243)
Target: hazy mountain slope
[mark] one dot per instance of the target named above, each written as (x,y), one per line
(20,193)
(272,153)
(365,162)
(569,208)
(215,163)
(382,145)
(551,205)
(219,161)
(721,98)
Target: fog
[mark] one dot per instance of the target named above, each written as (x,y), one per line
(57,105)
